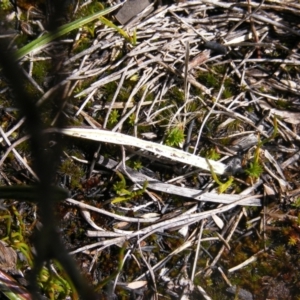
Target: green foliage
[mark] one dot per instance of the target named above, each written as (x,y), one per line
(212,154)
(255,169)
(131,39)
(82,44)
(75,172)
(262,88)
(24,147)
(227,93)
(229,88)
(194,106)
(93,7)
(175,137)
(113,117)
(150,97)
(293,240)
(283,104)
(234,125)
(109,90)
(40,70)
(209,79)
(32,91)
(134,77)
(279,251)
(54,285)
(45,39)
(124,93)
(115,267)
(273,135)
(120,186)
(176,94)
(5,5)
(131,119)
(124,194)
(137,165)
(222,186)
(250,108)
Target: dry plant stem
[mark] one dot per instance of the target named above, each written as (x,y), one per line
(128,253)
(272,160)
(109,214)
(116,94)
(113,77)
(190,78)
(239,117)
(186,70)
(290,161)
(203,293)
(177,115)
(139,85)
(171,65)
(94,161)
(246,17)
(17,155)
(224,276)
(197,251)
(221,238)
(88,98)
(87,216)
(269,60)
(118,127)
(14,128)
(150,270)
(33,82)
(264,221)
(217,257)
(48,244)
(246,262)
(178,221)
(207,116)
(254,15)
(121,139)
(12,146)
(198,195)
(186,245)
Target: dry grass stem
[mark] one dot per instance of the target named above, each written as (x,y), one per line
(205,83)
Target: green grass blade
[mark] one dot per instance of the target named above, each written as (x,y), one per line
(42,41)
(118,29)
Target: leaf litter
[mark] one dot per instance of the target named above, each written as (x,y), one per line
(227,75)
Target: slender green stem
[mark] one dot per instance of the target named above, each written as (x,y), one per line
(42,41)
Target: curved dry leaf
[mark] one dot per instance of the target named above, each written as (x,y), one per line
(291,84)
(136,284)
(218,221)
(268,190)
(184,231)
(121,225)
(158,149)
(150,215)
